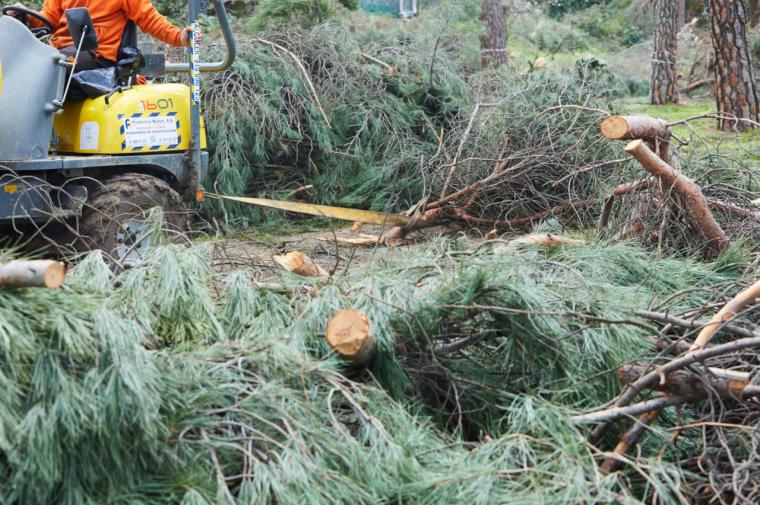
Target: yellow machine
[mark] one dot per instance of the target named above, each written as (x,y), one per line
(141,119)
(87,168)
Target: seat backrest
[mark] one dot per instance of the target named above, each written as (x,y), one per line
(31,79)
(129,38)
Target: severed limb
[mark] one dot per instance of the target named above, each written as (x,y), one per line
(685,383)
(615,413)
(694,325)
(690,193)
(622,404)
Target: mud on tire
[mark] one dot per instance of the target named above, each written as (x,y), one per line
(113,214)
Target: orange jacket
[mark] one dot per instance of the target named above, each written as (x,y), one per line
(110,18)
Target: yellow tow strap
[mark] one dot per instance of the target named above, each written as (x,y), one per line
(362,216)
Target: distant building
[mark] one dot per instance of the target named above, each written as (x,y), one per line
(400,8)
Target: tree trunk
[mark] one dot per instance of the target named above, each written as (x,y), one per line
(493,44)
(754,13)
(664,76)
(734,87)
(680,15)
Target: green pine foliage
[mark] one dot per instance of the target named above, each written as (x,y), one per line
(268,135)
(105,402)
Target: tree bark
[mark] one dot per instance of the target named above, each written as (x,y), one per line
(493,44)
(754,13)
(680,15)
(735,90)
(691,194)
(664,75)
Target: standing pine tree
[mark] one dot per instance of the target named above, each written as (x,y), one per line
(664,76)
(734,86)
(493,43)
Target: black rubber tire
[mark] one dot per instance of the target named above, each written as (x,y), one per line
(120,199)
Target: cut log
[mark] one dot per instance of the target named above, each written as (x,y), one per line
(728,312)
(691,195)
(32,274)
(349,333)
(635,127)
(300,264)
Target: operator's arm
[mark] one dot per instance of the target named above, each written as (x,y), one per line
(145,15)
(52,11)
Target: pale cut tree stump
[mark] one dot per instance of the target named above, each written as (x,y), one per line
(350,335)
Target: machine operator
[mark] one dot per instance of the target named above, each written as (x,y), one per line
(109,18)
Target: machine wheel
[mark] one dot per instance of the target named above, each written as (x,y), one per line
(114,218)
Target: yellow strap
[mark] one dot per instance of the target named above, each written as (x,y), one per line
(362,216)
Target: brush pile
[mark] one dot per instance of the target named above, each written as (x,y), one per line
(309,107)
(314,113)
(169,383)
(714,429)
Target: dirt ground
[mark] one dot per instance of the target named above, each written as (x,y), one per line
(256,255)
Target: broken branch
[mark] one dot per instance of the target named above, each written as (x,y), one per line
(728,312)
(693,199)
